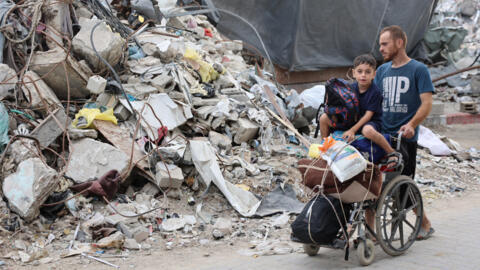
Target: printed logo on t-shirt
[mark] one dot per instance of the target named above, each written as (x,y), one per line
(393,88)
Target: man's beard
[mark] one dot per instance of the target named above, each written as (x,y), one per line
(390,56)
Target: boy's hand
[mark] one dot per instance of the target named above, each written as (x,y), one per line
(348,135)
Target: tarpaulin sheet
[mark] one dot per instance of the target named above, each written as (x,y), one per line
(204,159)
(315,34)
(281,199)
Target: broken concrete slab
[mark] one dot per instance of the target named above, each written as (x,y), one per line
(164,83)
(29,187)
(96,84)
(120,137)
(37,92)
(438,108)
(91,159)
(246,131)
(107,100)
(475,86)
(8,78)
(224,225)
(173,224)
(121,112)
(113,241)
(131,244)
(168,175)
(107,43)
(51,127)
(219,140)
(140,234)
(43,63)
(77,133)
(150,189)
(200,102)
(22,149)
(57,17)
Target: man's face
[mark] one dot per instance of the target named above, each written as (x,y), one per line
(389,47)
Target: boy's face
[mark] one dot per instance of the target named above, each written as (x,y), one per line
(364,74)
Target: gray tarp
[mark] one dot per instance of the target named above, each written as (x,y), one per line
(315,34)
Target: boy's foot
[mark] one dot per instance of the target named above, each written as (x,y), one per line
(424,234)
(393,160)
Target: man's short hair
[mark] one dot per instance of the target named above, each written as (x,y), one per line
(365,59)
(396,32)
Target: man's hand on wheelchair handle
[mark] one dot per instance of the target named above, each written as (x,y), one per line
(407,130)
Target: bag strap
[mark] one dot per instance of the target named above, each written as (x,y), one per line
(310,218)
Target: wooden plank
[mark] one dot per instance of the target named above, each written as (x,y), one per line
(122,140)
(299,77)
(289,125)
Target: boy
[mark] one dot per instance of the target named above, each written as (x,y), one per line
(370,101)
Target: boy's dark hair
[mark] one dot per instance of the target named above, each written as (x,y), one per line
(396,32)
(365,59)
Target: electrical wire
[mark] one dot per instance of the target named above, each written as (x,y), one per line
(117,78)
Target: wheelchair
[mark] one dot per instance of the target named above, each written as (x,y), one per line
(398,216)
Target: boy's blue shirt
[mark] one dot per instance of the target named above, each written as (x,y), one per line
(370,100)
(401,88)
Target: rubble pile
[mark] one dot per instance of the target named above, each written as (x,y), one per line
(452,42)
(122,130)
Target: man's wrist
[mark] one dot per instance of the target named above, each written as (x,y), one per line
(411,125)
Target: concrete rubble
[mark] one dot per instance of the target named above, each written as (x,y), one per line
(91,159)
(61,72)
(107,43)
(29,187)
(37,92)
(9,77)
(187,123)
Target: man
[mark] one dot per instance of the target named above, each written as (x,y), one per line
(407,98)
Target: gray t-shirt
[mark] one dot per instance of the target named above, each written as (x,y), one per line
(401,88)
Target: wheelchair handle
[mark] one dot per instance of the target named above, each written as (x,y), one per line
(399,140)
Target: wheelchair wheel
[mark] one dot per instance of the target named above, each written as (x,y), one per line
(399,215)
(311,249)
(366,252)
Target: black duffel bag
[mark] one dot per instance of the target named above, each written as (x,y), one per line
(318,223)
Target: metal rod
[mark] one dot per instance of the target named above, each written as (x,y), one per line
(100,260)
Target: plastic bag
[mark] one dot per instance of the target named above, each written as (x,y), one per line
(206,70)
(3,126)
(344,160)
(84,118)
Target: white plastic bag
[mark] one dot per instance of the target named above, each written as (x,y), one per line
(344,160)
(426,138)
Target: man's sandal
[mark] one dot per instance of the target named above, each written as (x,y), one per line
(424,234)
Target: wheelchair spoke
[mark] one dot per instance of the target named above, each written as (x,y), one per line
(412,197)
(394,230)
(390,221)
(405,198)
(409,224)
(400,228)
